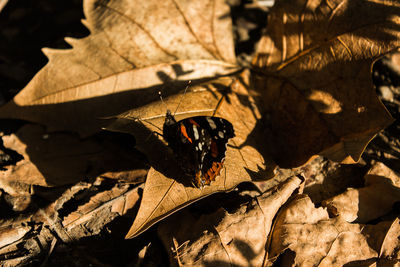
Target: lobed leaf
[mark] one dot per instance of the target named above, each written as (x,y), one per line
(134,48)
(314,76)
(167,189)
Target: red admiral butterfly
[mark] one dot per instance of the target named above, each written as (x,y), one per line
(199,144)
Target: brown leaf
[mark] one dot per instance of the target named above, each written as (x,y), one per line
(133,49)
(391,244)
(370,202)
(100,209)
(81,211)
(314,76)
(61,158)
(12,233)
(17,195)
(85,208)
(317,240)
(167,189)
(222,238)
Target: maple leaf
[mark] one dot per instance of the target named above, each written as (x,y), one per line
(314,77)
(167,189)
(133,50)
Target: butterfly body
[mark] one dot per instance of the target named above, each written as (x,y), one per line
(199,144)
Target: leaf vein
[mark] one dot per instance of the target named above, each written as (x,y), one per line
(140,27)
(192,31)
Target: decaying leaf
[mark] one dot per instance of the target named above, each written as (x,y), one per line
(317,240)
(370,202)
(61,158)
(167,189)
(16,194)
(314,76)
(391,244)
(94,209)
(100,210)
(134,48)
(222,238)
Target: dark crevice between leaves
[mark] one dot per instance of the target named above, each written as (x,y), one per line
(248,23)
(385,146)
(110,248)
(20,54)
(8,156)
(83,196)
(287,258)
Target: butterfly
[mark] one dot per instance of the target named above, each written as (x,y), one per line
(199,143)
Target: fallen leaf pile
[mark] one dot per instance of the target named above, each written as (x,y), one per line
(308,92)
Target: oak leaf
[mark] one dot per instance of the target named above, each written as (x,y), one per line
(314,76)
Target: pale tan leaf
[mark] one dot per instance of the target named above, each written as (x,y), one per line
(380,169)
(222,238)
(10,234)
(316,239)
(61,158)
(16,194)
(314,76)
(100,209)
(133,49)
(370,202)
(81,211)
(167,189)
(391,245)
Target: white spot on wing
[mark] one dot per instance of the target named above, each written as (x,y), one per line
(211,123)
(200,146)
(195,132)
(221,134)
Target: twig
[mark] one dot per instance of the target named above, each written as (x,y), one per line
(52,245)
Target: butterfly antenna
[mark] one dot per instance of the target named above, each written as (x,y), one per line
(162,100)
(184,93)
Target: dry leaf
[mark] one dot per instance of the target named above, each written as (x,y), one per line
(315,79)
(61,158)
(17,195)
(317,240)
(100,210)
(222,238)
(370,202)
(133,49)
(167,189)
(81,211)
(93,208)
(10,234)
(391,244)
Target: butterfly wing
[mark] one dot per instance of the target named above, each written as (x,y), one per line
(211,135)
(200,145)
